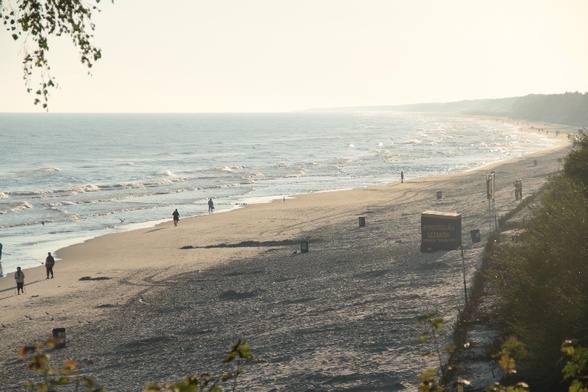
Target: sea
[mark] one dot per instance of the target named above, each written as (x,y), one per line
(67,178)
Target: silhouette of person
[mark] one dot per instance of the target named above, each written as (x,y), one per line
(210,206)
(401,177)
(49,263)
(0,251)
(19,277)
(176,216)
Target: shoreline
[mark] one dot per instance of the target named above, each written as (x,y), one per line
(219,276)
(155,225)
(26,256)
(56,245)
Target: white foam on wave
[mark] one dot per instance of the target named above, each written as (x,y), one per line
(161,181)
(48,169)
(84,189)
(40,170)
(24,205)
(58,204)
(298,173)
(253,175)
(227,168)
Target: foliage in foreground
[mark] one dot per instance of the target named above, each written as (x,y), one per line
(38,357)
(430,325)
(543,279)
(575,369)
(33,22)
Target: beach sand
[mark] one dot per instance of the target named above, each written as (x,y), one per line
(161,303)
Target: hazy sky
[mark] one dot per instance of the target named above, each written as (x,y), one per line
(286,55)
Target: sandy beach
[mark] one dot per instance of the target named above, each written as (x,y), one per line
(161,303)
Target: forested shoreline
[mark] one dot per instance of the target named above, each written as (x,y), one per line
(570,108)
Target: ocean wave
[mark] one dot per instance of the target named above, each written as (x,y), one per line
(253,175)
(47,170)
(56,205)
(3,195)
(122,185)
(367,126)
(40,170)
(83,189)
(156,183)
(298,173)
(29,193)
(21,206)
(141,184)
(227,168)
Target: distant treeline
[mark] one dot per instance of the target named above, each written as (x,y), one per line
(569,108)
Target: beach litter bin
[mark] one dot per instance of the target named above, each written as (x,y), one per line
(475,235)
(59,334)
(439,194)
(362,221)
(304,246)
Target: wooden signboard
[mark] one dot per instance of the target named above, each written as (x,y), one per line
(440,231)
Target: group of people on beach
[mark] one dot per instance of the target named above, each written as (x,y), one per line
(176,214)
(19,275)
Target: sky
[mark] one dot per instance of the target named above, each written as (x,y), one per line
(184,56)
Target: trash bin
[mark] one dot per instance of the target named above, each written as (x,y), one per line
(304,246)
(361,221)
(439,194)
(475,235)
(59,334)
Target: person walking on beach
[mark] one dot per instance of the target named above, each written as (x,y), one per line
(0,251)
(49,263)
(401,177)
(19,277)
(518,189)
(210,206)
(176,216)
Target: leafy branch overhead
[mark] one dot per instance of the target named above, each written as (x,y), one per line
(33,22)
